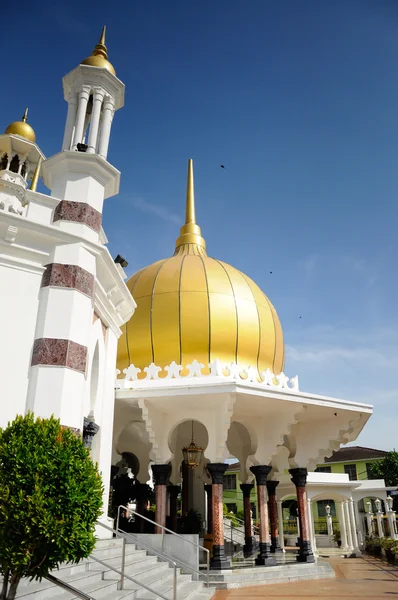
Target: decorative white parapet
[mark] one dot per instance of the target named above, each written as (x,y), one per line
(218,371)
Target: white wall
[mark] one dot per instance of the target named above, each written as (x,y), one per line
(19,298)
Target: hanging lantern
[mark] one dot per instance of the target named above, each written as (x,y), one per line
(192,454)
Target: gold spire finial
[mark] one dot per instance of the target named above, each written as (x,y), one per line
(190,233)
(101,49)
(35,178)
(25,115)
(190,206)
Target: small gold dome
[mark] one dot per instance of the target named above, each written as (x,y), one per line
(192,306)
(22,128)
(99,57)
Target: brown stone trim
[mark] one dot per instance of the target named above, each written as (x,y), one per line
(59,353)
(69,276)
(78,212)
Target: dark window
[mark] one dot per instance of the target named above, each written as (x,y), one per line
(322,504)
(4,162)
(230,482)
(368,469)
(14,165)
(253,509)
(231,508)
(323,470)
(351,471)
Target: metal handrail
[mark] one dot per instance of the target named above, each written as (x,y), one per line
(122,573)
(68,588)
(146,587)
(165,529)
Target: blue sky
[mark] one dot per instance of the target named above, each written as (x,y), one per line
(299,100)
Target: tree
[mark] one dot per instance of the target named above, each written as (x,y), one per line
(386,468)
(50,500)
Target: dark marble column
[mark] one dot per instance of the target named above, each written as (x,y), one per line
(186,477)
(142,501)
(218,561)
(273,515)
(264,557)
(161,474)
(299,478)
(209,496)
(173,490)
(248,548)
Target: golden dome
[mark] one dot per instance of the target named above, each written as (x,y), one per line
(22,128)
(192,306)
(99,57)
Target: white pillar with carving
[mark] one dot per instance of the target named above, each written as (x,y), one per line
(106,122)
(343,531)
(353,526)
(84,95)
(70,121)
(379,517)
(311,523)
(391,518)
(280,525)
(348,526)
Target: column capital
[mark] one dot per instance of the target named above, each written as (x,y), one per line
(161,474)
(208,488)
(217,471)
(261,473)
(173,490)
(299,476)
(246,489)
(271,487)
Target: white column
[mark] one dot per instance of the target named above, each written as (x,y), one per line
(348,525)
(81,116)
(343,531)
(311,523)
(106,122)
(353,526)
(70,122)
(280,525)
(379,517)
(391,517)
(95,119)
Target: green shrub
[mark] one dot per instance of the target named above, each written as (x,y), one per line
(50,499)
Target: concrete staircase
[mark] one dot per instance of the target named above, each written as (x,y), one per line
(101,582)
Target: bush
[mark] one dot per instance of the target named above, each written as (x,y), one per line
(50,500)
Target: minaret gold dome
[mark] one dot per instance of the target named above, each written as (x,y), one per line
(192,306)
(99,57)
(22,128)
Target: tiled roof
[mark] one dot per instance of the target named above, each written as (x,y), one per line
(355,453)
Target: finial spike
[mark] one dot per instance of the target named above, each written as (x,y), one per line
(35,178)
(102,38)
(190,216)
(25,115)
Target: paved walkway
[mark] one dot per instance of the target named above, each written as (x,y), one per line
(356,578)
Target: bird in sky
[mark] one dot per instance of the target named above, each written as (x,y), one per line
(222,166)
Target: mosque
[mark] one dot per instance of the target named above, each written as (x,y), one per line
(196,345)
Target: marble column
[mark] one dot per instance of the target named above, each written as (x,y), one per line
(173,490)
(348,526)
(312,527)
(218,560)
(280,522)
(273,515)
(343,531)
(248,548)
(161,474)
(299,478)
(209,497)
(264,558)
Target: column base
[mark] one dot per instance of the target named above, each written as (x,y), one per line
(250,547)
(219,561)
(275,547)
(305,553)
(264,559)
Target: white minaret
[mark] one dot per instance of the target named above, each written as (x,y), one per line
(80,178)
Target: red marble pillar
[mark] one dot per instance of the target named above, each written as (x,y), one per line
(248,548)
(173,490)
(161,474)
(209,496)
(299,478)
(218,561)
(264,558)
(273,515)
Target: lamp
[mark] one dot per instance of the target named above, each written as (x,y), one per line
(378,504)
(389,502)
(192,454)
